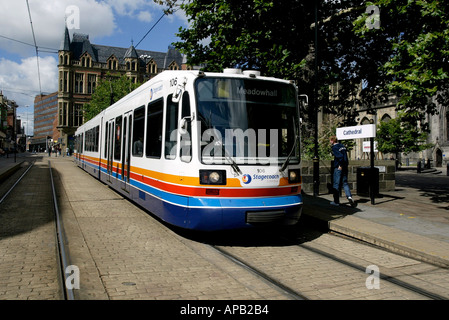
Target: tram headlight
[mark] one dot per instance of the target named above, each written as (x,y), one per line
(294,176)
(215,177)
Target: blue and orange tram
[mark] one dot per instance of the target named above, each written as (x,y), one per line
(203,151)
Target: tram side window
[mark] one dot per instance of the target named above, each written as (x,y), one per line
(97,138)
(118,138)
(138,131)
(171,124)
(154,129)
(106,141)
(186,139)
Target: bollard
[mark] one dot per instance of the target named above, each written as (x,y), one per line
(419,166)
(447,169)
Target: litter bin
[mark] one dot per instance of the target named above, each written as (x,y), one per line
(366,176)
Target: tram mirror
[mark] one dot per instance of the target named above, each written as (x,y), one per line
(177,94)
(182,128)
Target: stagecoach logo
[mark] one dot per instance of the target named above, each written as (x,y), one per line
(154,91)
(246,179)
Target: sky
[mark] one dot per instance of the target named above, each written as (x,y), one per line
(116,23)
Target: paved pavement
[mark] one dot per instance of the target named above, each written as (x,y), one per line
(413,219)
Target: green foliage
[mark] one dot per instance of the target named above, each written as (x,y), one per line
(398,135)
(417,65)
(108,91)
(408,55)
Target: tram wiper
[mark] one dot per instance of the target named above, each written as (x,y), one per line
(234,165)
(286,162)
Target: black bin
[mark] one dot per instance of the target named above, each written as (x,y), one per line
(366,176)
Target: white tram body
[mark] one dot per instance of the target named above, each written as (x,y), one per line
(203,151)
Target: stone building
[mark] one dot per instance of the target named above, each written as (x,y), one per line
(82,64)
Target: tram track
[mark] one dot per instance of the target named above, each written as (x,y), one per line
(11,190)
(382,276)
(296,293)
(284,289)
(6,194)
(63,256)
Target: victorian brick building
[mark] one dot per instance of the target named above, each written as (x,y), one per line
(82,64)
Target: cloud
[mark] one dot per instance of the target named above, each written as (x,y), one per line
(95,18)
(19,81)
(145,16)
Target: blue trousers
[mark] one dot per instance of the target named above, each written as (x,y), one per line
(340,178)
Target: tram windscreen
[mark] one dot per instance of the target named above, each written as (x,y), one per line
(247,120)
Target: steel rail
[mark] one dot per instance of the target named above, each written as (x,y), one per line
(15,184)
(62,252)
(281,287)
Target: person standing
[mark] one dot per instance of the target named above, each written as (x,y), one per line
(340,174)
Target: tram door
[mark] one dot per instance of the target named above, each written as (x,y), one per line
(109,148)
(126,150)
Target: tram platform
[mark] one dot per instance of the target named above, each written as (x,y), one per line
(411,221)
(9,165)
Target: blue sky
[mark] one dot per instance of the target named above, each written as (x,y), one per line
(107,22)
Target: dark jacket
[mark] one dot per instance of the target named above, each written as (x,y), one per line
(340,155)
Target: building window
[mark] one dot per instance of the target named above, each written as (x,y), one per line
(63,113)
(173,66)
(85,61)
(78,115)
(65,81)
(91,83)
(79,83)
(152,67)
(112,64)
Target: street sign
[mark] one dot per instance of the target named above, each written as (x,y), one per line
(356,132)
(367,146)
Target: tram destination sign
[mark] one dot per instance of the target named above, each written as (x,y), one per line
(356,132)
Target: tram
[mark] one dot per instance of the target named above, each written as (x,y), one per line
(202,151)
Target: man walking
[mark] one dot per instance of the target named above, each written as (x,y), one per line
(340,174)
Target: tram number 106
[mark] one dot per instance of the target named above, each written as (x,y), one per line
(173,82)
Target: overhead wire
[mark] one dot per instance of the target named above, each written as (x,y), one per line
(150,29)
(163,15)
(36,47)
(50,50)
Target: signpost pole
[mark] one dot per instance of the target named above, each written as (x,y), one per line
(371,183)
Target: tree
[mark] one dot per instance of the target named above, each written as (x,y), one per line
(108,91)
(417,65)
(407,54)
(398,135)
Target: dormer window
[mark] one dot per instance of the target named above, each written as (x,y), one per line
(173,66)
(86,61)
(112,63)
(152,67)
